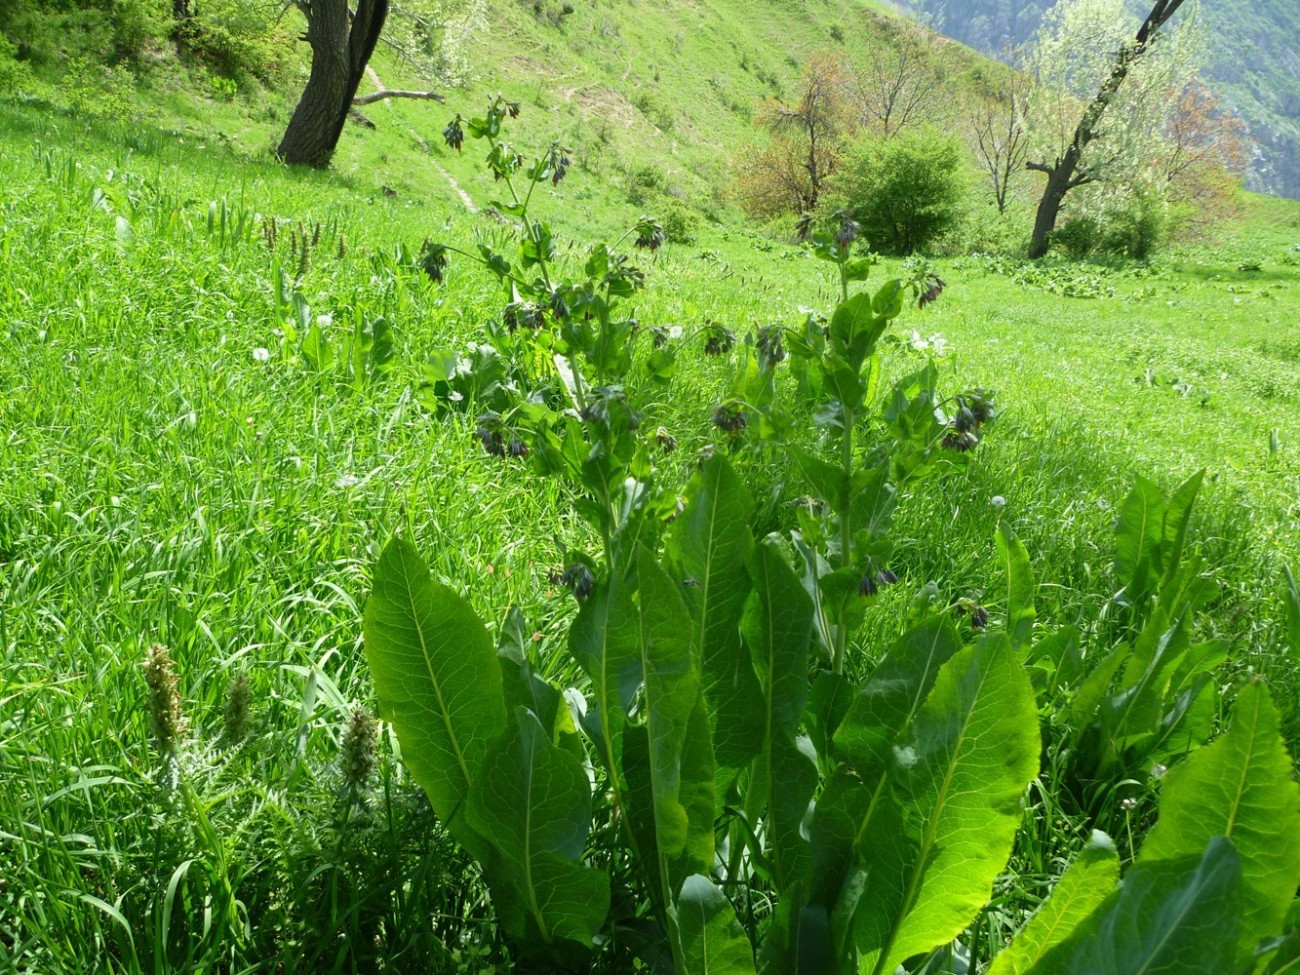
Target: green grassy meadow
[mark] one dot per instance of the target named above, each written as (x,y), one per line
(174,469)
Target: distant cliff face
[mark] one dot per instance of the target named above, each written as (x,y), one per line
(1254,65)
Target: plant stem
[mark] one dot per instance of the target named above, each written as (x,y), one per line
(846,527)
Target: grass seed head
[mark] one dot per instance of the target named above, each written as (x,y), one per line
(237,713)
(166,719)
(357,749)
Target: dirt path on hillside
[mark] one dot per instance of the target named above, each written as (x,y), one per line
(465,198)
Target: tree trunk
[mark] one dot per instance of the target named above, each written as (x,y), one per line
(338,63)
(1065,175)
(1060,180)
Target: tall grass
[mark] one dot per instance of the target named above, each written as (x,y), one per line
(164,482)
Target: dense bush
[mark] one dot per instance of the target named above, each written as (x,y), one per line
(645,183)
(13,73)
(1130,223)
(46,31)
(241,40)
(984,230)
(237,39)
(680,224)
(906,191)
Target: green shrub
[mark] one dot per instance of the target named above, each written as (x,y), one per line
(1078,237)
(92,88)
(906,191)
(109,31)
(14,74)
(680,224)
(984,230)
(645,183)
(1128,223)
(1137,226)
(139,26)
(242,41)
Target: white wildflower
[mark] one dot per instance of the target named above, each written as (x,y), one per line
(261,354)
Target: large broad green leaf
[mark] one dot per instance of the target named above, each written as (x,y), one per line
(673,709)
(666,871)
(894,694)
(1241,787)
(855,328)
(777,627)
(1284,955)
(711,939)
(829,698)
(1171,917)
(1292,613)
(864,826)
(797,941)
(533,801)
(438,681)
(791,765)
(603,639)
(1178,515)
(521,687)
(1140,530)
(639,808)
(1090,879)
(962,773)
(1092,691)
(1020,586)
(710,546)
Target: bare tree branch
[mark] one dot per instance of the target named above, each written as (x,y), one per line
(378,96)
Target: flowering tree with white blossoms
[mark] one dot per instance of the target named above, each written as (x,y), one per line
(1089,52)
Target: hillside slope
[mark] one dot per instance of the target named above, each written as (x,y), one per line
(1254,65)
(652,98)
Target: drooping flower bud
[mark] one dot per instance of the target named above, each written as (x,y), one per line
(960,442)
(934,288)
(453,134)
(649,235)
(718,340)
(767,340)
(730,417)
(434,261)
(490,433)
(579,579)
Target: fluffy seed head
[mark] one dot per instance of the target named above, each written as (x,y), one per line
(357,749)
(236,715)
(165,717)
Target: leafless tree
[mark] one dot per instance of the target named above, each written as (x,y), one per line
(813,124)
(899,85)
(1000,137)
